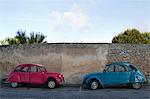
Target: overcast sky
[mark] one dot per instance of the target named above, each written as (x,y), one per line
(74,20)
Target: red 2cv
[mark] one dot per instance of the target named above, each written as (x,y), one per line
(34,74)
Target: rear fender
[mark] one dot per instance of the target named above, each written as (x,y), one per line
(14,78)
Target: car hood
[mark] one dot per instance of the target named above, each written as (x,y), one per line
(53,73)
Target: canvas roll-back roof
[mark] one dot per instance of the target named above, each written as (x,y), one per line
(119,63)
(30,64)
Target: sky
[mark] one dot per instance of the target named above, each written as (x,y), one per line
(95,21)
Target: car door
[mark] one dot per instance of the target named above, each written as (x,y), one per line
(24,74)
(124,74)
(36,76)
(110,76)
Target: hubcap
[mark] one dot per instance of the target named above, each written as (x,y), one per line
(94,85)
(14,84)
(136,85)
(51,84)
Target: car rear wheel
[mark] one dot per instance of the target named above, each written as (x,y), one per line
(51,83)
(14,84)
(136,85)
(94,84)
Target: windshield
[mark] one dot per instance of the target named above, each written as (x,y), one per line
(132,68)
(42,68)
(105,69)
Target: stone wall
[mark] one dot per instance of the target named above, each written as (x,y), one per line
(138,54)
(73,59)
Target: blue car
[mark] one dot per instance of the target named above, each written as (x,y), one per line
(118,73)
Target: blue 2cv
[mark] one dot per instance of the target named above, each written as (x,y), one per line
(118,73)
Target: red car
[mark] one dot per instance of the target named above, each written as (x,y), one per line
(34,74)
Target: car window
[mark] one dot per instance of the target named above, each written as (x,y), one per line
(25,69)
(18,69)
(119,68)
(132,68)
(34,69)
(126,68)
(110,69)
(38,69)
(41,69)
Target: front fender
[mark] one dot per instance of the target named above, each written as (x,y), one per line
(94,77)
(137,78)
(58,80)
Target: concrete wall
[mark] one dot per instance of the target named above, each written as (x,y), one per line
(73,60)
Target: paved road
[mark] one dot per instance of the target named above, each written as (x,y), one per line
(37,92)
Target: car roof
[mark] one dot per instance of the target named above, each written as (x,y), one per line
(119,63)
(30,64)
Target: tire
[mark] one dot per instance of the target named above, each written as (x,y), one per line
(94,84)
(14,84)
(51,83)
(136,85)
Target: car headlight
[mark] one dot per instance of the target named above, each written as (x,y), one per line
(138,78)
(60,76)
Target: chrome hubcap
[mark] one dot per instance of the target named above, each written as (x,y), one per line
(14,84)
(136,85)
(51,84)
(94,85)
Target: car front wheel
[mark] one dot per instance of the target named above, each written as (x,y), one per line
(136,85)
(51,83)
(14,84)
(94,84)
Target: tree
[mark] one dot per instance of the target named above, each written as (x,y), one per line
(36,38)
(3,42)
(132,36)
(146,36)
(22,38)
(11,41)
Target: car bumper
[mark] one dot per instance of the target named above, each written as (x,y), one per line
(85,85)
(60,81)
